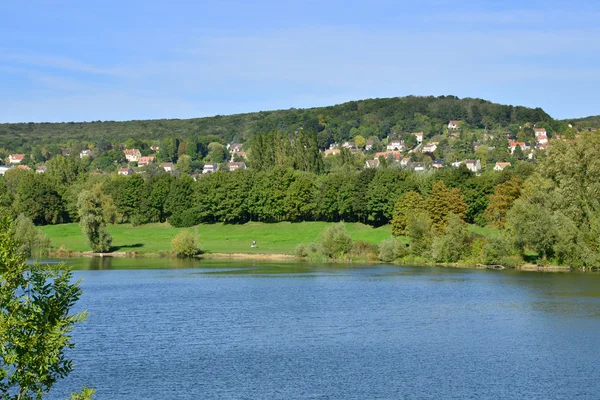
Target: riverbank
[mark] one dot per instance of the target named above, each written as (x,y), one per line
(271,238)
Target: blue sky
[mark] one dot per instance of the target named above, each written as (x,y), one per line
(66,60)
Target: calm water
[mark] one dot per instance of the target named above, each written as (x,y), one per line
(265,331)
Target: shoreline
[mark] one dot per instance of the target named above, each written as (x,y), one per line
(291,257)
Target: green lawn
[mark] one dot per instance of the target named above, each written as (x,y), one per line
(281,238)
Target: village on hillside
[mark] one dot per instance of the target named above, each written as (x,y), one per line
(407,150)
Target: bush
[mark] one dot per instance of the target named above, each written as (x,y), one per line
(301,251)
(360,247)
(185,244)
(390,249)
(501,251)
(336,241)
(32,240)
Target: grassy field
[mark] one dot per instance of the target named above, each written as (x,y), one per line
(279,238)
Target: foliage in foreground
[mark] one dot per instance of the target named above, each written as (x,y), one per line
(35,321)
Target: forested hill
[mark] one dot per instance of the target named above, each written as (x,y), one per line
(372,117)
(585,123)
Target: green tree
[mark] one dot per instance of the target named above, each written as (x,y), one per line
(455,242)
(94,211)
(419,229)
(407,204)
(442,202)
(503,198)
(36,320)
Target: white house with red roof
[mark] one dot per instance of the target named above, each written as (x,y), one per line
(146,160)
(232,166)
(453,124)
(16,158)
(132,155)
(397,145)
(167,166)
(512,145)
(419,136)
(501,165)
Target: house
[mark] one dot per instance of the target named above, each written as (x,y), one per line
(4,168)
(16,158)
(348,145)
(209,168)
(453,124)
(385,154)
(419,136)
(512,145)
(195,177)
(145,161)
(540,132)
(430,147)
(24,167)
(65,152)
(397,145)
(85,153)
(154,148)
(369,145)
(405,161)
(125,171)
(334,146)
(331,152)
(232,166)
(235,147)
(372,163)
(132,155)
(438,163)
(456,164)
(476,145)
(41,169)
(167,166)
(541,139)
(501,165)
(418,166)
(473,165)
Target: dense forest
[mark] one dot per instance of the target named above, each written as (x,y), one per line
(368,118)
(592,122)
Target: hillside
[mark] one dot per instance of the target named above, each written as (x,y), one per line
(585,123)
(372,117)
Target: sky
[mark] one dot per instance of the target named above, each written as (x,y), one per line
(112,60)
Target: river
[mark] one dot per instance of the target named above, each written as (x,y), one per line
(168,329)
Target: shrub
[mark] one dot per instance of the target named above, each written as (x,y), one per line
(32,240)
(360,247)
(301,251)
(185,244)
(335,241)
(501,251)
(391,249)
